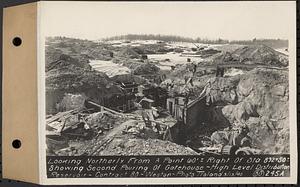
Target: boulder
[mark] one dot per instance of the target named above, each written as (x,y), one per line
(72,101)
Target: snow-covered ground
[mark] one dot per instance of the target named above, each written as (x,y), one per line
(109,68)
(173,59)
(282,50)
(132,43)
(186,44)
(233,72)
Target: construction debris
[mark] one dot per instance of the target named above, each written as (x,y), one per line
(211,100)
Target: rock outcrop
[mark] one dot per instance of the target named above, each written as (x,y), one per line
(262,104)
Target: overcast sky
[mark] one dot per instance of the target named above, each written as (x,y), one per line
(212,20)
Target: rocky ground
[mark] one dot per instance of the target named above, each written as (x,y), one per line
(259,99)
(254,94)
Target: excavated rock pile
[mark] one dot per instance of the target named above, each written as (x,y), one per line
(260,102)
(99,124)
(134,146)
(100,53)
(129,78)
(261,54)
(128,137)
(69,75)
(79,49)
(56,60)
(72,78)
(146,69)
(152,49)
(103,120)
(128,53)
(253,54)
(138,67)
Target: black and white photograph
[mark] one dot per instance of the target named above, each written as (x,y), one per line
(203,79)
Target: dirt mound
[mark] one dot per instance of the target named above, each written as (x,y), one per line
(128,78)
(72,79)
(52,55)
(103,120)
(145,147)
(57,60)
(139,50)
(146,69)
(253,54)
(261,54)
(129,53)
(99,53)
(79,49)
(208,52)
(159,48)
(225,57)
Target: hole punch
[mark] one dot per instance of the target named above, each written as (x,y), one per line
(17,41)
(16,144)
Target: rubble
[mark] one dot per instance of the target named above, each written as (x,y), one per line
(136,146)
(60,60)
(79,125)
(261,94)
(129,53)
(253,54)
(146,69)
(93,133)
(189,109)
(71,79)
(71,101)
(208,52)
(261,54)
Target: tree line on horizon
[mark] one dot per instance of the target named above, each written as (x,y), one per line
(275,43)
